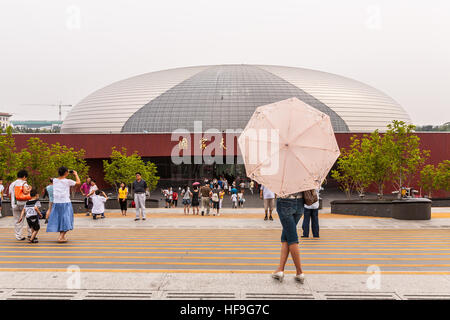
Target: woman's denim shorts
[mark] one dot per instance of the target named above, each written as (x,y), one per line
(289,211)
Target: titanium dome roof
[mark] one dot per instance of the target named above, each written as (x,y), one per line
(224,97)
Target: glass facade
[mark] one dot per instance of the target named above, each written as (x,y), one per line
(222,97)
(188,173)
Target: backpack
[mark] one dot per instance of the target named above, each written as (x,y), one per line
(310,197)
(19,194)
(215,197)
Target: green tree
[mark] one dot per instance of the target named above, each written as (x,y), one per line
(37,160)
(376,157)
(42,161)
(122,168)
(428,179)
(405,153)
(70,158)
(352,172)
(10,162)
(443,176)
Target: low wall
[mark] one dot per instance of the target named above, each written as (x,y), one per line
(404,209)
(440,202)
(78,207)
(112,203)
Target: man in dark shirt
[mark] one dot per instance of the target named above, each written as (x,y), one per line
(140,188)
(205,192)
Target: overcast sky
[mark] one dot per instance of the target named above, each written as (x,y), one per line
(58,50)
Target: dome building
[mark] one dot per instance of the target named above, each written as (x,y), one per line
(225,97)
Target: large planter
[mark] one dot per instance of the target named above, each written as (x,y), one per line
(440,202)
(372,208)
(112,203)
(78,206)
(412,209)
(404,209)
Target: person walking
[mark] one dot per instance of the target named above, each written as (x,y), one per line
(221,195)
(49,193)
(205,191)
(187,195)
(269,201)
(61,218)
(21,189)
(31,211)
(2,188)
(234,200)
(84,189)
(175,199)
(252,185)
(290,209)
(140,188)
(311,214)
(170,197)
(241,199)
(214,194)
(122,197)
(195,200)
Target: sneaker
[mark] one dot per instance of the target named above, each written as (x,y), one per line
(21,239)
(300,278)
(278,276)
(143,218)
(136,219)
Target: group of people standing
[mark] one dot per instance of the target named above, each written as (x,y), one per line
(209,196)
(94,199)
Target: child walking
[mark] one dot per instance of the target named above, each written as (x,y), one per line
(31,212)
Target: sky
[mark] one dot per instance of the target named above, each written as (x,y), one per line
(54,51)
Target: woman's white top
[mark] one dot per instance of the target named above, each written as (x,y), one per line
(61,190)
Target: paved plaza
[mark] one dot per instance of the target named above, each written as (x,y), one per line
(173,256)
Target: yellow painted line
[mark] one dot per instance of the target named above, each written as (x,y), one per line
(237,245)
(237,249)
(225,252)
(238,242)
(221,271)
(220,263)
(189,257)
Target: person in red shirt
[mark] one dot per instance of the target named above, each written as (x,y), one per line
(175,199)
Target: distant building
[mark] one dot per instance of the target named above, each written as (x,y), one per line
(36,124)
(4,120)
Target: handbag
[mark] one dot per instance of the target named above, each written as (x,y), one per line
(310,197)
(20,195)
